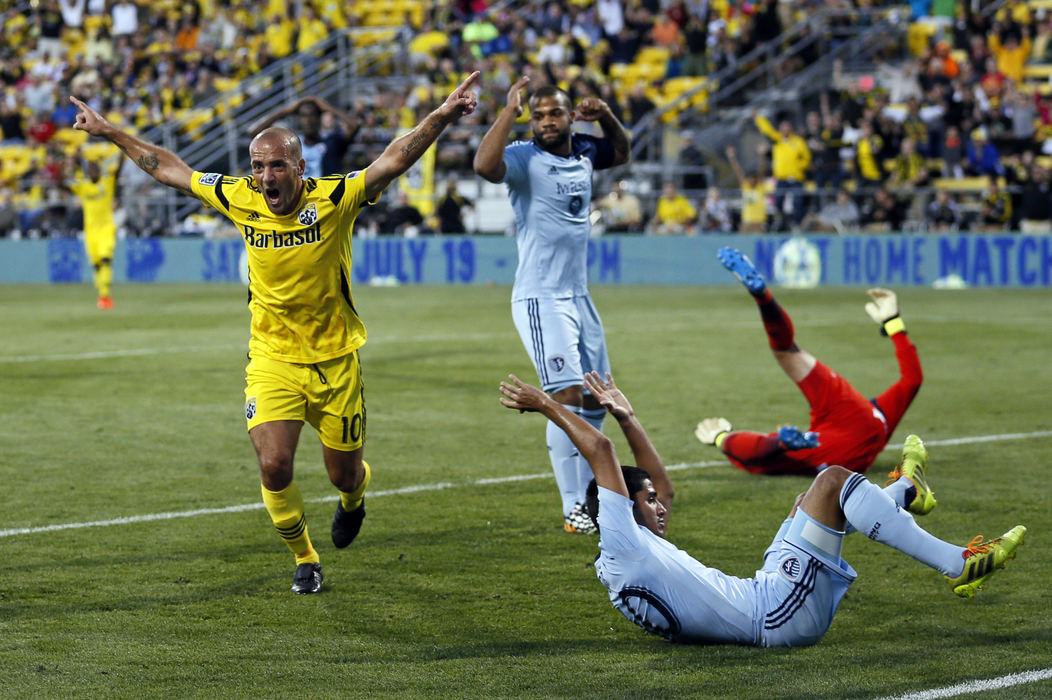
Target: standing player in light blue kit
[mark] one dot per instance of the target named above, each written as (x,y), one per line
(549,180)
(791,600)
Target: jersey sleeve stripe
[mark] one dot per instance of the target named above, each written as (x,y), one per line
(337,193)
(221,196)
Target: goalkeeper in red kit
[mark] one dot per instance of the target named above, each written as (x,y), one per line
(846,428)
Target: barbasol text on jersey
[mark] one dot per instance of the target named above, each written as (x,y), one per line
(279,239)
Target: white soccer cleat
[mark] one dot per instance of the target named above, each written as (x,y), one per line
(710,429)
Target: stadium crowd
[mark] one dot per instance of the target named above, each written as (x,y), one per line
(960,107)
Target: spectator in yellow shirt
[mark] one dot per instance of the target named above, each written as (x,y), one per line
(867,156)
(279,36)
(754,192)
(790,160)
(674,214)
(312,28)
(1011,52)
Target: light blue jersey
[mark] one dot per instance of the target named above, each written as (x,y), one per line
(664,590)
(553,313)
(312,158)
(552,196)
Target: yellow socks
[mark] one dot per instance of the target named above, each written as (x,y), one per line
(104,278)
(286,511)
(353,499)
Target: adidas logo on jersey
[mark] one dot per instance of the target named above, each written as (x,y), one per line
(253,216)
(553,170)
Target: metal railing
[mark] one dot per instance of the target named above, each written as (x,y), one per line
(213,135)
(759,78)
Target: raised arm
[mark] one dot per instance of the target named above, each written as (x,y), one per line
(596,448)
(594,109)
(766,128)
(407,149)
(349,123)
(643,450)
(489,159)
(732,158)
(159,163)
(268,120)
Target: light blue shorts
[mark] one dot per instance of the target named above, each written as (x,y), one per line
(564,338)
(801,583)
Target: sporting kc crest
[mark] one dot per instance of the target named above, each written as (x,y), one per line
(791,568)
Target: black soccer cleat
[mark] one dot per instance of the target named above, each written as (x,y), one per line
(346,524)
(307,579)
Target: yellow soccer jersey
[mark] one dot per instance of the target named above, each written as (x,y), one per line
(299,265)
(754,203)
(97,200)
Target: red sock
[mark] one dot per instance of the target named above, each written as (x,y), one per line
(776,323)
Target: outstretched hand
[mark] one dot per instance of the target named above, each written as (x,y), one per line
(88,119)
(520,395)
(515,95)
(608,395)
(463,100)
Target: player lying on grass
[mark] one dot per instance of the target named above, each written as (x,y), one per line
(846,428)
(791,600)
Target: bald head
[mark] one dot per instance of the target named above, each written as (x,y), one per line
(280,138)
(277,168)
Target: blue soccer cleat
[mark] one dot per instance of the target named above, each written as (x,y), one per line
(738,263)
(793,439)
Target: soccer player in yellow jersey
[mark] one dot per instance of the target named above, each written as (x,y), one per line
(303,351)
(97,196)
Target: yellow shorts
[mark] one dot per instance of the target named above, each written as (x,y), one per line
(328,395)
(100,244)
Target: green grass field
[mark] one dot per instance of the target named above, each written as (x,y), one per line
(472,589)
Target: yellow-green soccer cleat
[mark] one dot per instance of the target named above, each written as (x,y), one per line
(914,465)
(983,559)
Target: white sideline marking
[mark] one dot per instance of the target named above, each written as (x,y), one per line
(104,354)
(243,347)
(443,485)
(981,686)
(256,506)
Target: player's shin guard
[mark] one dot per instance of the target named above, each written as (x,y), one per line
(875,514)
(352,499)
(286,512)
(104,277)
(569,466)
(896,491)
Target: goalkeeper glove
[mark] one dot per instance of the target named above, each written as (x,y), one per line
(711,431)
(884,309)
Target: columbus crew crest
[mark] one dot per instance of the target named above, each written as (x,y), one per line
(308,215)
(250,408)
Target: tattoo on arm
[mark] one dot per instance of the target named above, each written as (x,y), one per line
(149,162)
(409,150)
